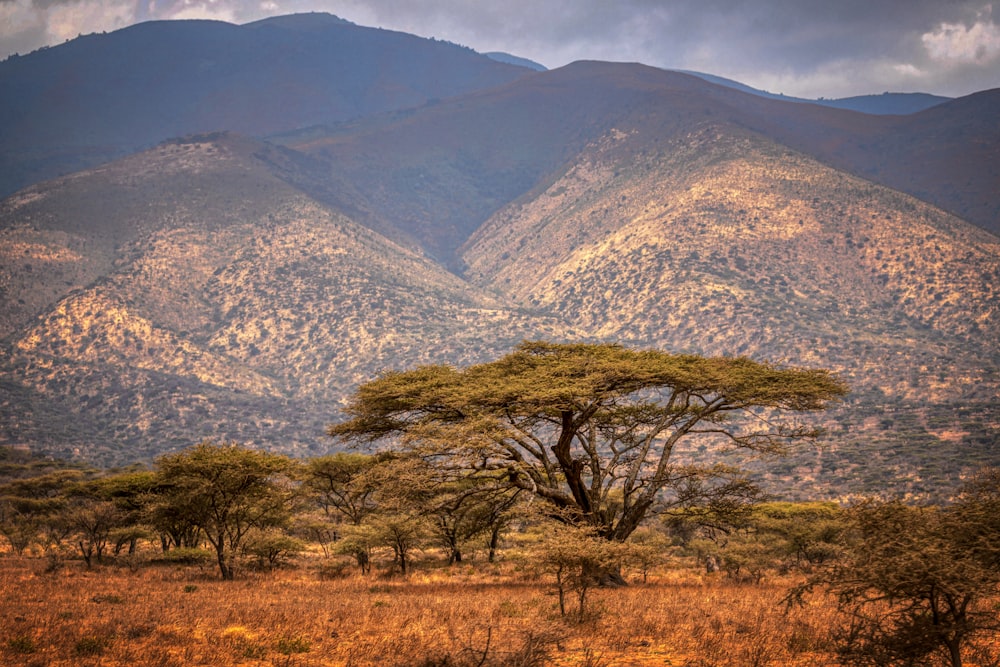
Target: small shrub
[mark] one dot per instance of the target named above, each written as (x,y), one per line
(243,640)
(273,549)
(254,651)
(139,631)
(53,563)
(22,644)
(90,645)
(108,599)
(510,609)
(185,556)
(334,570)
(190,588)
(290,645)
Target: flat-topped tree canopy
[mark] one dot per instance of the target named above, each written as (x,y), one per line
(591,428)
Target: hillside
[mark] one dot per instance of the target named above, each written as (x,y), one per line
(885,104)
(722,242)
(247,315)
(222,286)
(438,174)
(103,96)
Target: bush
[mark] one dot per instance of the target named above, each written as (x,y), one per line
(22,644)
(290,645)
(90,645)
(186,556)
(273,548)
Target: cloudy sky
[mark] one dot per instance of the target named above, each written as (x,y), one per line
(807,48)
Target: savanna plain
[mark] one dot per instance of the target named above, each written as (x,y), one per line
(314,613)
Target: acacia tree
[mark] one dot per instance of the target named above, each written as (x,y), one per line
(228,491)
(916,581)
(572,554)
(343,484)
(459,504)
(591,428)
(33,509)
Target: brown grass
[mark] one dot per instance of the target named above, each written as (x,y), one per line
(483,615)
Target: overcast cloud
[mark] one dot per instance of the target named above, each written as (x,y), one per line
(807,48)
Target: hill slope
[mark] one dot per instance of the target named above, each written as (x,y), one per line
(102,96)
(436,175)
(247,315)
(721,242)
(221,286)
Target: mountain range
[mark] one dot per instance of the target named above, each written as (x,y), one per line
(239,277)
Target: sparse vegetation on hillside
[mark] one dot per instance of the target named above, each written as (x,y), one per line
(221,286)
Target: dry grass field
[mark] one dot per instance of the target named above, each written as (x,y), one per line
(458,616)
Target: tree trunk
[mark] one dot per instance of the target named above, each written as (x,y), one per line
(955,651)
(88,554)
(364,562)
(494,543)
(562,591)
(225,563)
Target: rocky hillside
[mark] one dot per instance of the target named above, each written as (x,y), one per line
(725,243)
(246,312)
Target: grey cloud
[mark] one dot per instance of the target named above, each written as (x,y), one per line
(799,47)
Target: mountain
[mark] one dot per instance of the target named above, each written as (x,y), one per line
(246,311)
(103,96)
(494,144)
(222,286)
(885,104)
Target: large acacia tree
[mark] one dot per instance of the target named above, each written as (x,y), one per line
(590,428)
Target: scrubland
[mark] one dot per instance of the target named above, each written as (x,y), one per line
(315,614)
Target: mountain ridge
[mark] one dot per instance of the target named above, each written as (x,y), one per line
(102,96)
(887,103)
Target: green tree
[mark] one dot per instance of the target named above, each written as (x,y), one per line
(21,520)
(573,554)
(915,582)
(342,484)
(94,521)
(34,509)
(591,429)
(133,493)
(458,504)
(402,531)
(228,491)
(808,533)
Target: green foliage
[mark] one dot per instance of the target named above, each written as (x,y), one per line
(917,581)
(90,646)
(290,645)
(186,556)
(341,483)
(22,644)
(272,548)
(227,491)
(590,428)
(578,558)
